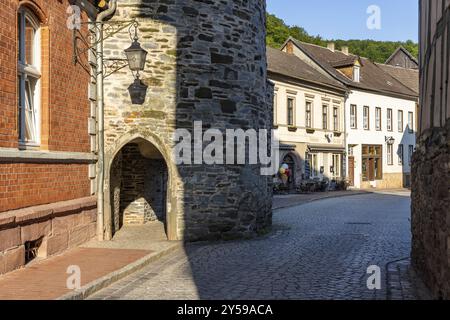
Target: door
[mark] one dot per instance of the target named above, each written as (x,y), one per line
(371,169)
(291,179)
(351,171)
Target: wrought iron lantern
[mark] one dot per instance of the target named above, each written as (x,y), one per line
(390,140)
(138,91)
(136,56)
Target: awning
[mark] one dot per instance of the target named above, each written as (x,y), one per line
(327,148)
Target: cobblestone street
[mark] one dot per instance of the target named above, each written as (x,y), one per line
(319,250)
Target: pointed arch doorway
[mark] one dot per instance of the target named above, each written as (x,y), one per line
(139,191)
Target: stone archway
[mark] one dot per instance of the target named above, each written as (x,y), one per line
(138,187)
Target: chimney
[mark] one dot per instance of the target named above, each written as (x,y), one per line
(290,48)
(331,46)
(345,50)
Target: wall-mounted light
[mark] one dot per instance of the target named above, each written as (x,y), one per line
(136,56)
(138,91)
(390,140)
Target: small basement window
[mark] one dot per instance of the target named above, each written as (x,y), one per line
(32,249)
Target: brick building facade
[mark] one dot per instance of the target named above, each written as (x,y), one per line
(45,148)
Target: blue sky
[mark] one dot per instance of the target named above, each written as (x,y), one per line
(347,19)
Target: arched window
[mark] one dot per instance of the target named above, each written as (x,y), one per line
(29,75)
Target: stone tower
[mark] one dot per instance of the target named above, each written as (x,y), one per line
(431,161)
(206,62)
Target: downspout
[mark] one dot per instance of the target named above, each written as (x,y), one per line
(100,120)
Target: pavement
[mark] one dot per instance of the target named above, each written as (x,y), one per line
(99,263)
(318,250)
(47,279)
(292,200)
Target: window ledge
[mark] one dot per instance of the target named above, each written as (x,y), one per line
(29,146)
(39,156)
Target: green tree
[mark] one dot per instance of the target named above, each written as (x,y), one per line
(379,51)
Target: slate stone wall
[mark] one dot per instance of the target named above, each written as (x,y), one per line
(431,209)
(207,62)
(431,161)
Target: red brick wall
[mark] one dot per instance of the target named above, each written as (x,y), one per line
(8,75)
(64,109)
(69,106)
(23,185)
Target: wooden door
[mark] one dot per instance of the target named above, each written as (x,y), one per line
(372,170)
(351,171)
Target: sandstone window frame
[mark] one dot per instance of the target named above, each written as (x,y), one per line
(353,116)
(290,111)
(309,109)
(400,121)
(336,119)
(366,118)
(390,118)
(29,76)
(378,117)
(411,122)
(325,116)
(390,154)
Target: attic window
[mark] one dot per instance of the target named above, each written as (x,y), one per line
(356,73)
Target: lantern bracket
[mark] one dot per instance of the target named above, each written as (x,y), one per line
(86,39)
(111,66)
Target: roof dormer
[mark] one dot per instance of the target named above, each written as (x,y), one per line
(350,67)
(356,73)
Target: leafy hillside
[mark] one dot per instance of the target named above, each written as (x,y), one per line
(379,51)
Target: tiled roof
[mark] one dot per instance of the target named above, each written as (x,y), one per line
(409,77)
(289,65)
(349,61)
(373,78)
